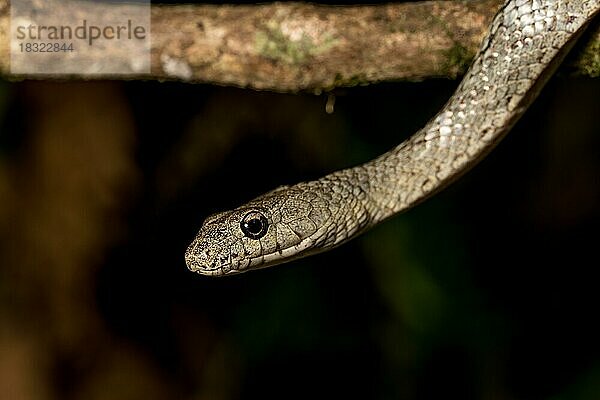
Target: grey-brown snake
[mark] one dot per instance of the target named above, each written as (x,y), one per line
(526,41)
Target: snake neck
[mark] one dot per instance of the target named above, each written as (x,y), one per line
(526,42)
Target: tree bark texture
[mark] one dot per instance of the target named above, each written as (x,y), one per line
(293,47)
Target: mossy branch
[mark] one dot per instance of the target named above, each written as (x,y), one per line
(300,46)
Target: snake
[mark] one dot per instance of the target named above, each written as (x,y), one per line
(526,41)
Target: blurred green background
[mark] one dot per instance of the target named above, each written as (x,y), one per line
(487,291)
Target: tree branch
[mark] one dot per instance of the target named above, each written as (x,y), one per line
(299,46)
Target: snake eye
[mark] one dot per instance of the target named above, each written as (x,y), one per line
(254,225)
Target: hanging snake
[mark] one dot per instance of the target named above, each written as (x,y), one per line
(527,39)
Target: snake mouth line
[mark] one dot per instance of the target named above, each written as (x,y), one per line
(195,266)
(225,269)
(202,270)
(220,270)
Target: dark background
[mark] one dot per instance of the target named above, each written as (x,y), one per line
(486,291)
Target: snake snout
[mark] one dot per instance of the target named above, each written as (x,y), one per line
(198,259)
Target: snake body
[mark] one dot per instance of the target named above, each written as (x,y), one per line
(525,43)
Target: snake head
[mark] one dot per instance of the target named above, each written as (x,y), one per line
(228,242)
(277,227)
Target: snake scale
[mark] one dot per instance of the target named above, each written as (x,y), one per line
(527,39)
